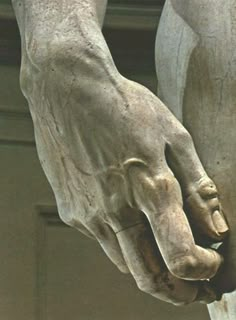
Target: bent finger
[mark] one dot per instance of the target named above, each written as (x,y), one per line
(159,197)
(200,192)
(150,273)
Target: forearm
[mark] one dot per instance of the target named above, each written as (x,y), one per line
(48,13)
(65,38)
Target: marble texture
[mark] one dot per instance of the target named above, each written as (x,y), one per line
(123,169)
(196,67)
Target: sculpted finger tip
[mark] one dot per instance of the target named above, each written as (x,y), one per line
(220,223)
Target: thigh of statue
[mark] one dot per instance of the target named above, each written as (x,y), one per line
(196,69)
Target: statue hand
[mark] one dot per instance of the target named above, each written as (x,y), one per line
(116,162)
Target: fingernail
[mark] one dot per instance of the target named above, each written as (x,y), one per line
(220,222)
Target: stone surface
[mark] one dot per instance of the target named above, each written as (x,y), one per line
(225,309)
(196,67)
(60,271)
(115,156)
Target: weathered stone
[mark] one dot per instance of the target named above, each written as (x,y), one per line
(196,66)
(120,164)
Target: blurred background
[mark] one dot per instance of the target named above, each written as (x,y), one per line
(49,271)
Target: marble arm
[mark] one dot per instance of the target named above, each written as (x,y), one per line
(117,159)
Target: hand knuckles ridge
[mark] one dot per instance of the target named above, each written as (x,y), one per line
(147,284)
(184,267)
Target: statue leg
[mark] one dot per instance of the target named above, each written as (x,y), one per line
(196,69)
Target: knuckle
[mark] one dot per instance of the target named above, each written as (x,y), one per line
(164,182)
(147,284)
(68,219)
(185,136)
(156,189)
(149,183)
(98,227)
(168,186)
(207,189)
(185,267)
